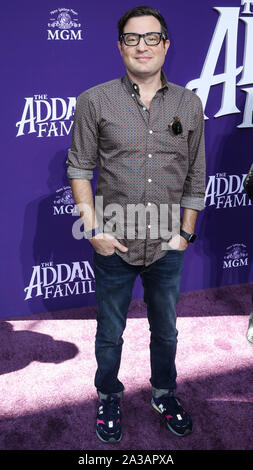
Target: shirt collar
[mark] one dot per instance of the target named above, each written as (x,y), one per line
(134,88)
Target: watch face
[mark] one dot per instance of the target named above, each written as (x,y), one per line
(192,238)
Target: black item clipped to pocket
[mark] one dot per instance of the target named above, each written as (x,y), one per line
(176,126)
(248,183)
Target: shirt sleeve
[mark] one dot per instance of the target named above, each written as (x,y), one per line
(194,187)
(82,155)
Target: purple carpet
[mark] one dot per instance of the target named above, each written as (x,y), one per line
(49,401)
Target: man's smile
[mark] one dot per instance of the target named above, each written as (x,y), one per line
(143,58)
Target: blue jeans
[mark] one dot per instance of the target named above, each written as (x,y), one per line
(115,279)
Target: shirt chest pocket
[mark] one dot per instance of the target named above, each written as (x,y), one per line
(171,145)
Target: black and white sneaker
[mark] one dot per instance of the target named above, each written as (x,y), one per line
(108,426)
(249,334)
(177,420)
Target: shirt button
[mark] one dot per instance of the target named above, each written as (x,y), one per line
(132,94)
(149,180)
(144,109)
(149,226)
(151,132)
(149,203)
(150,155)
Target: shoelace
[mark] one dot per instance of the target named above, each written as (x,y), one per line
(171,403)
(111,406)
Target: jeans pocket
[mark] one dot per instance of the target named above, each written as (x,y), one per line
(104,256)
(176,249)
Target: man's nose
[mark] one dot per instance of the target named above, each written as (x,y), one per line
(142,46)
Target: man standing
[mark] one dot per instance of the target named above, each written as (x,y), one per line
(248,186)
(145,135)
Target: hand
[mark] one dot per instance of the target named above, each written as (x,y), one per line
(178,243)
(105,244)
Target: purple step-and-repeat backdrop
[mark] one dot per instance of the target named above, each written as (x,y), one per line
(53,52)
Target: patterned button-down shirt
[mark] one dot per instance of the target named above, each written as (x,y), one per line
(139,159)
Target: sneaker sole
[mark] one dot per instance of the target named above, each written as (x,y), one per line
(249,338)
(112,440)
(187,431)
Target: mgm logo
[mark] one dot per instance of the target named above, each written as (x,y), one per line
(64,25)
(236,255)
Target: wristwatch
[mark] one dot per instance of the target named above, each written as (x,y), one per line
(190,237)
(92,233)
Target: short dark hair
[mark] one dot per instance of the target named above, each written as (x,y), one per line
(142,11)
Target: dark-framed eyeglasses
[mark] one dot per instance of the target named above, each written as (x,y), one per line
(151,39)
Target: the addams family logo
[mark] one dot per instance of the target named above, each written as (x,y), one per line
(47,117)
(226,35)
(50,280)
(226,191)
(236,256)
(64,25)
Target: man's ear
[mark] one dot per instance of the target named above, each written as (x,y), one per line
(166,45)
(119,47)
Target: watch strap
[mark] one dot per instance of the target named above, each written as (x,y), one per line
(190,237)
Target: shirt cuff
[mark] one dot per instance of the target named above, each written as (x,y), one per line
(196,203)
(79,173)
